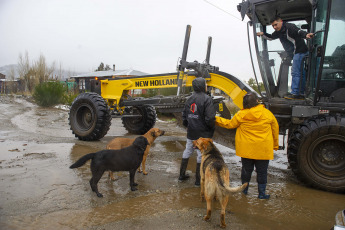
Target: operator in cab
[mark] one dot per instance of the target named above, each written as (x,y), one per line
(292,39)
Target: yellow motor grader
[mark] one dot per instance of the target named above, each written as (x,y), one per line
(91,113)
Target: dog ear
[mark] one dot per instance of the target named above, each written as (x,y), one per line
(204,145)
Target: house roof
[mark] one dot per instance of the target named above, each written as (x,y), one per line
(8,80)
(109,73)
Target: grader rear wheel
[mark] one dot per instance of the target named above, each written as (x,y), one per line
(141,124)
(316,152)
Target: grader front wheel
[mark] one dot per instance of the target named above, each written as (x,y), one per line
(89,117)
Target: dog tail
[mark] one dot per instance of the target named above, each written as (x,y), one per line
(235,189)
(227,188)
(82,160)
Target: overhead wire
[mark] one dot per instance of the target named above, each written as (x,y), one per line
(222,10)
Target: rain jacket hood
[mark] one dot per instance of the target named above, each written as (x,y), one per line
(257,132)
(199,85)
(253,114)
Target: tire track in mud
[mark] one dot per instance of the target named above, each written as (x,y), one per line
(25,121)
(35,120)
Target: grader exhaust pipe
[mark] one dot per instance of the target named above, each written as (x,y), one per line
(183,61)
(201,69)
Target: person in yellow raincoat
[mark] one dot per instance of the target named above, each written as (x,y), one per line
(256,137)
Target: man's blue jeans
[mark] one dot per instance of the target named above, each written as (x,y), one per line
(296,74)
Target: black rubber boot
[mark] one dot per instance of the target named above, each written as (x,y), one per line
(197,174)
(262,192)
(183,176)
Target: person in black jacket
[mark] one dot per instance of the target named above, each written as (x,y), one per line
(292,39)
(199,118)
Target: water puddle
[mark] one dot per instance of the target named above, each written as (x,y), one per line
(287,210)
(26,166)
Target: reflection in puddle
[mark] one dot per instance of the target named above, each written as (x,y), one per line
(147,205)
(171,146)
(167,166)
(79,150)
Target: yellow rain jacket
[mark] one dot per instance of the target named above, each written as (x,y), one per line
(257,132)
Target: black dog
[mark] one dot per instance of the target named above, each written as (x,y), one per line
(126,159)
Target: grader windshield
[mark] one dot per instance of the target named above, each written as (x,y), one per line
(329,19)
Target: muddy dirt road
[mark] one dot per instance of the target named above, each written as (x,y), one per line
(39,191)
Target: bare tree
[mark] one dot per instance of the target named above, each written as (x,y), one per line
(60,77)
(100,67)
(23,69)
(36,73)
(42,71)
(12,85)
(107,67)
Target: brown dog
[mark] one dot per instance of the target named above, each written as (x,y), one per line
(119,143)
(214,177)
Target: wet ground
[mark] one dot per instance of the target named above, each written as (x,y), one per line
(39,191)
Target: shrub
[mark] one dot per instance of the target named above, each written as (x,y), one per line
(68,98)
(49,93)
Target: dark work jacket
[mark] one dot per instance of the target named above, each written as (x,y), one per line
(291,37)
(199,113)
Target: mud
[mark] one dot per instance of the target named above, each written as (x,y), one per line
(39,191)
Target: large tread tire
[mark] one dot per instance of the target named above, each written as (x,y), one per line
(144,123)
(316,152)
(89,117)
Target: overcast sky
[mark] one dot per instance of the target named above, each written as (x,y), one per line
(146,35)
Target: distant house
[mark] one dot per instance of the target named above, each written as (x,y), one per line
(83,81)
(10,86)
